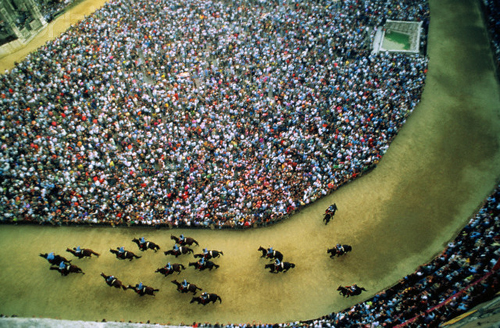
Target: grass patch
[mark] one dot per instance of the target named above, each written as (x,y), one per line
(400,39)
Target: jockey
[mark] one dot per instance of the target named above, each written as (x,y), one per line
(62,265)
(204,296)
(181,238)
(51,256)
(184,284)
(168,266)
(142,241)
(339,248)
(139,286)
(353,288)
(277,264)
(110,279)
(332,208)
(176,248)
(201,262)
(205,253)
(270,251)
(78,250)
(121,250)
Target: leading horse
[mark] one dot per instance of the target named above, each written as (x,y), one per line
(113,282)
(70,268)
(282,267)
(57,259)
(209,298)
(187,241)
(207,265)
(347,291)
(339,252)
(181,250)
(184,289)
(84,252)
(176,267)
(125,255)
(144,290)
(209,255)
(147,245)
(274,255)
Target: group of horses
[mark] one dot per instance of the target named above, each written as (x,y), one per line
(340,250)
(180,247)
(275,255)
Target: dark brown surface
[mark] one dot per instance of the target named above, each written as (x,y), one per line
(441,166)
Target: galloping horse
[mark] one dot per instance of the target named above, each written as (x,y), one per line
(209,298)
(187,241)
(182,250)
(144,290)
(113,282)
(176,267)
(343,250)
(125,255)
(283,267)
(147,245)
(189,288)
(329,213)
(208,265)
(57,259)
(210,254)
(347,291)
(84,252)
(273,256)
(70,268)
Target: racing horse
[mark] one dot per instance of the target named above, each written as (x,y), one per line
(176,267)
(57,259)
(347,291)
(273,256)
(182,250)
(210,255)
(70,268)
(189,288)
(206,299)
(335,251)
(187,241)
(144,290)
(207,265)
(147,245)
(113,282)
(282,267)
(125,255)
(329,213)
(84,252)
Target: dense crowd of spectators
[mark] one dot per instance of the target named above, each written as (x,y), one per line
(201,113)
(491,11)
(49,9)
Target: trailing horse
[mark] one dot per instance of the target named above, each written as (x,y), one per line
(187,241)
(210,255)
(274,255)
(147,245)
(344,249)
(125,255)
(206,298)
(348,291)
(282,267)
(70,268)
(84,252)
(189,288)
(329,213)
(176,267)
(207,265)
(182,250)
(113,282)
(57,259)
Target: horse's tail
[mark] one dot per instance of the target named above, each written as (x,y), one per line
(182,266)
(95,253)
(216,266)
(137,256)
(198,255)
(189,250)
(124,287)
(166,253)
(292,265)
(218,298)
(198,288)
(193,299)
(194,241)
(362,288)
(221,253)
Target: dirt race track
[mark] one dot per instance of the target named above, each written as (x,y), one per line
(442,165)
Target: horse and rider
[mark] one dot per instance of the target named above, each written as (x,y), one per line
(123,254)
(143,244)
(329,213)
(203,264)
(271,253)
(65,268)
(206,298)
(279,266)
(339,250)
(207,255)
(171,268)
(82,252)
(185,286)
(54,259)
(352,290)
(142,289)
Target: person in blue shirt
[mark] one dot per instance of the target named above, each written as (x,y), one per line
(185,284)
(270,251)
(110,279)
(62,265)
(181,239)
(204,296)
(176,248)
(202,262)
(139,286)
(277,264)
(78,250)
(168,266)
(121,250)
(142,241)
(51,256)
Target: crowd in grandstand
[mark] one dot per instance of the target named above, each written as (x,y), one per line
(201,113)
(492,16)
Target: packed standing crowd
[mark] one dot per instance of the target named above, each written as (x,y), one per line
(201,113)
(491,11)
